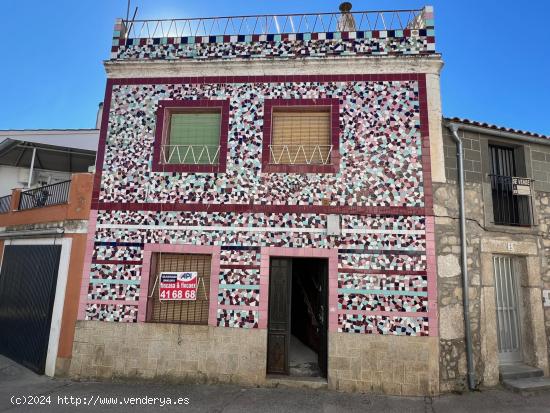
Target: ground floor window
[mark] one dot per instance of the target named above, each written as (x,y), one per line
(179,311)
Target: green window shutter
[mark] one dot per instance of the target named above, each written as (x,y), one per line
(196,136)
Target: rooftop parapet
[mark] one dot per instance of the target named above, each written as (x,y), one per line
(346,33)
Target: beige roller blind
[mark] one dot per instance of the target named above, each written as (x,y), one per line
(300,136)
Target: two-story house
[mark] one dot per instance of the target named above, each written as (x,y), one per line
(262,209)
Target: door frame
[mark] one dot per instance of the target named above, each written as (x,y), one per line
(331,255)
(537,353)
(60,289)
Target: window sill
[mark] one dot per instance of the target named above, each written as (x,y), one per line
(301,169)
(218,168)
(519,229)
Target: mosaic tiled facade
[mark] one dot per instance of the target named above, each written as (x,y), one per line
(382,191)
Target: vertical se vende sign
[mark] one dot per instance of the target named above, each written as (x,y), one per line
(178,286)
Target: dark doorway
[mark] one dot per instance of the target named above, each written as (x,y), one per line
(27,292)
(297,330)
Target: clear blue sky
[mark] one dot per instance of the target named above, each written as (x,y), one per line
(496,53)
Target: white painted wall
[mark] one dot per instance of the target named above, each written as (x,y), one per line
(9,179)
(13,177)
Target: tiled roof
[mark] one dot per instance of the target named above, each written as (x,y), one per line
(496,127)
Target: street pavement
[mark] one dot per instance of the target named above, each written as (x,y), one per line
(19,387)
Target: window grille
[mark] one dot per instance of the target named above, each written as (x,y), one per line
(301,136)
(193,138)
(508,208)
(184,312)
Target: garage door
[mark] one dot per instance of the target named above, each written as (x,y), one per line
(27,291)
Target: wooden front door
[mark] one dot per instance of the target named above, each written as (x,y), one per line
(278,338)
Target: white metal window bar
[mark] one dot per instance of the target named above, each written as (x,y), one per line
(190,154)
(296,154)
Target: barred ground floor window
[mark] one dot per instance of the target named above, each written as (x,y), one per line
(179,311)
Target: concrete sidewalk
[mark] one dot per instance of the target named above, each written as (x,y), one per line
(17,381)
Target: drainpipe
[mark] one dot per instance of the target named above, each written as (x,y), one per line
(464,258)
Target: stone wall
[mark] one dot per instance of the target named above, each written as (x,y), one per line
(185,353)
(528,243)
(451,318)
(543,207)
(383,364)
(169,352)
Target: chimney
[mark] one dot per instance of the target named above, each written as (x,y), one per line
(346,22)
(99,116)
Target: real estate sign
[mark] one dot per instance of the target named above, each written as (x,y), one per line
(178,286)
(521,186)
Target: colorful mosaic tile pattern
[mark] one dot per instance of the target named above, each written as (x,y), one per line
(111,312)
(112,291)
(237,318)
(240,257)
(406,326)
(239,276)
(382,260)
(117,253)
(294,239)
(239,296)
(382,282)
(122,272)
(302,45)
(382,302)
(379,141)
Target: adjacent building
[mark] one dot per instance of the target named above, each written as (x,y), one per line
(507,209)
(262,208)
(44,208)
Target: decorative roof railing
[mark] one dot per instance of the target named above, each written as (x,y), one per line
(276,24)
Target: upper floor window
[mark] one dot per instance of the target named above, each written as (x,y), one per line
(511,190)
(191,136)
(301,136)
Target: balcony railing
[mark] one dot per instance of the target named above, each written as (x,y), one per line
(5,204)
(275,24)
(43,196)
(512,200)
(190,154)
(300,154)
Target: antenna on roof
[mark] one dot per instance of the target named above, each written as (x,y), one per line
(128,10)
(129,27)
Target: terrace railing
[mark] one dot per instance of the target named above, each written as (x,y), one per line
(5,204)
(43,196)
(276,24)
